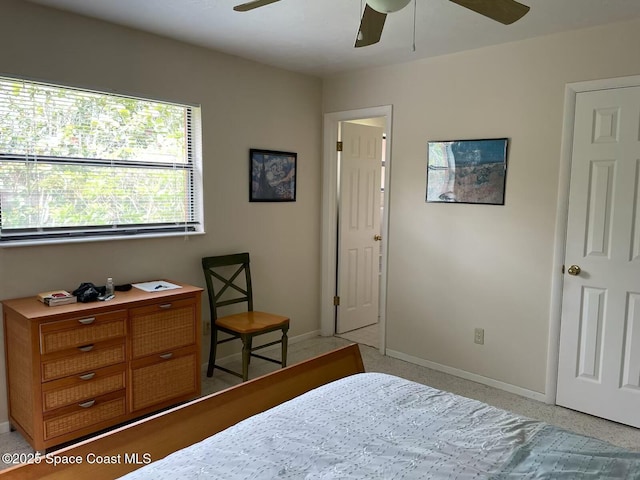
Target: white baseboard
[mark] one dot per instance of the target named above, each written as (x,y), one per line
(304,336)
(523,392)
(5,427)
(291,341)
(507,387)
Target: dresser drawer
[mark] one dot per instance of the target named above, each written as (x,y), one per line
(83,359)
(101,410)
(75,332)
(78,388)
(162,327)
(159,378)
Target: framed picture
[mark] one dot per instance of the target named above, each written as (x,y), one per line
(467,171)
(272,176)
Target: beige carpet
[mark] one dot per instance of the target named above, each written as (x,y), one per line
(617,434)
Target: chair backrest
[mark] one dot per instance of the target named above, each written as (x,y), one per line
(223,279)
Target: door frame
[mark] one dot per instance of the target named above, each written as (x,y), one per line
(562,213)
(330,207)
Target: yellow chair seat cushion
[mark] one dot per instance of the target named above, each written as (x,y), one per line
(248,322)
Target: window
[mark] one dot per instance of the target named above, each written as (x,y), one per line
(78,165)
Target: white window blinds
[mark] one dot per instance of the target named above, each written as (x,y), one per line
(77,164)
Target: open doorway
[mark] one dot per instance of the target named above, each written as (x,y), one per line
(338,261)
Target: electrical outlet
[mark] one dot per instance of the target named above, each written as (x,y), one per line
(479,336)
(206,328)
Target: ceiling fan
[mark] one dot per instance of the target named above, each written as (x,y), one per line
(375,14)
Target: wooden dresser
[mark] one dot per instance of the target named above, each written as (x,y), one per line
(76,369)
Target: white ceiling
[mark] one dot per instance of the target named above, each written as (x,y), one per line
(317,36)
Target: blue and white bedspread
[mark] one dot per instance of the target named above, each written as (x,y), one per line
(376,426)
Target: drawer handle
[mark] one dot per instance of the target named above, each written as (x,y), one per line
(87,376)
(87,404)
(86,348)
(166,356)
(87,321)
(165,305)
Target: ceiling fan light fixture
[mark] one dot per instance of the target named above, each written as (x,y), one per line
(388,6)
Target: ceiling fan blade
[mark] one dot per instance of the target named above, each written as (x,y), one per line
(251,5)
(503,11)
(370,27)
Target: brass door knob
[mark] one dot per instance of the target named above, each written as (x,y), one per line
(377,238)
(574,270)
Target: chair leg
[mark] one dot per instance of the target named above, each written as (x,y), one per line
(246,356)
(285,339)
(212,351)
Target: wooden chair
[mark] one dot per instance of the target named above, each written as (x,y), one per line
(225,272)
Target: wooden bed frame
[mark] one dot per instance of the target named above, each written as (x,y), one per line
(132,446)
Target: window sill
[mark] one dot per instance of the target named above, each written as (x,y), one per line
(58,241)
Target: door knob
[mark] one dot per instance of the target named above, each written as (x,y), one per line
(377,238)
(574,270)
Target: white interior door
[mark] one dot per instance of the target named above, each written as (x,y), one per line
(359,226)
(599,364)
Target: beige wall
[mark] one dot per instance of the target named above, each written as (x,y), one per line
(456,267)
(244,105)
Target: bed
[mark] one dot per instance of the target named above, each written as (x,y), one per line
(327,418)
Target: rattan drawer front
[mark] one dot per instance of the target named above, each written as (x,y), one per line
(63,334)
(101,410)
(100,355)
(154,383)
(70,390)
(163,327)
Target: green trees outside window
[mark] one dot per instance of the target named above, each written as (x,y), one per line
(77,163)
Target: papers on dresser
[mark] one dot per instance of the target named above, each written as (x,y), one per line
(156,286)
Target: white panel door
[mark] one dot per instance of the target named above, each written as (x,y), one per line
(599,366)
(359,226)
